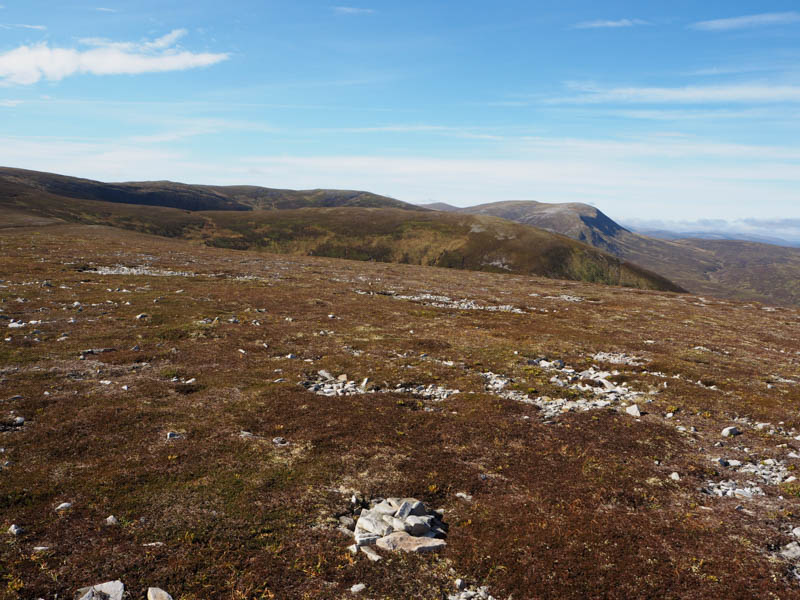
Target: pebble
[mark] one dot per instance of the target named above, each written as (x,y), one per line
(18,421)
(112,520)
(15,530)
(157,594)
(358,588)
(675,477)
(730,432)
(63,506)
(174,435)
(371,554)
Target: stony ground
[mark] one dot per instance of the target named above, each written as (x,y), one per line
(226,407)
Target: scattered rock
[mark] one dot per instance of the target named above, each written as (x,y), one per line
(730,488)
(15,530)
(674,476)
(157,594)
(112,520)
(279,441)
(63,506)
(174,435)
(358,588)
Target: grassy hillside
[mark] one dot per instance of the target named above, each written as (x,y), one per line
(374,234)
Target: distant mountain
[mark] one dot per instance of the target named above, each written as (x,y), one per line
(440,206)
(578,221)
(196,197)
(725,268)
(665,234)
(252,218)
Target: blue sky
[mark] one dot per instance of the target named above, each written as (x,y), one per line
(654,111)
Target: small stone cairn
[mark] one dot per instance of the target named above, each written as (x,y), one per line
(403,524)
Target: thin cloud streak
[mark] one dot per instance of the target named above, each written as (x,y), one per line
(352,10)
(22,26)
(610,24)
(748,21)
(739,93)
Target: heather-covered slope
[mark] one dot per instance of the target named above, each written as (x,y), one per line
(377,234)
(550,486)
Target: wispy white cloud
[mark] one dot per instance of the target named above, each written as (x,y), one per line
(352,10)
(748,21)
(162,43)
(22,26)
(10,103)
(27,65)
(105,9)
(737,93)
(603,24)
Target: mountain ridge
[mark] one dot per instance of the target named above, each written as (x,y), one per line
(385,234)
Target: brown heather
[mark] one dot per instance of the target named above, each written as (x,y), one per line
(574,509)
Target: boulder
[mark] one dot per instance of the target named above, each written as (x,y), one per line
(400,540)
(418,526)
(372,522)
(110,590)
